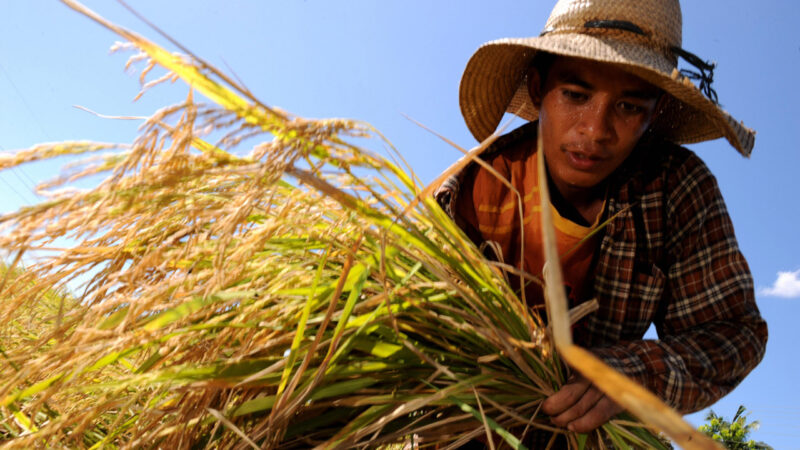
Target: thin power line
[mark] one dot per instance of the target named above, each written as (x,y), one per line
(24,102)
(16,171)
(29,183)
(11,186)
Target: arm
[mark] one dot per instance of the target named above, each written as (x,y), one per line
(711,334)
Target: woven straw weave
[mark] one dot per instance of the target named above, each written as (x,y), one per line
(494,79)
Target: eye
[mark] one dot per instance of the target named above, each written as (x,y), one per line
(630,108)
(574,95)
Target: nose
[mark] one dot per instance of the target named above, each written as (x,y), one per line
(597,121)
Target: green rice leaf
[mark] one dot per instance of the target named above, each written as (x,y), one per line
(115,318)
(581,437)
(256,405)
(31,391)
(185,309)
(494,426)
(301,325)
(343,388)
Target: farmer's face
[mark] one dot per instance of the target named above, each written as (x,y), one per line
(592,115)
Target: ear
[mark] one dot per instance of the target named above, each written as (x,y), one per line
(535,87)
(658,109)
(660,105)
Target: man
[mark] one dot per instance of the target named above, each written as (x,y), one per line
(640,220)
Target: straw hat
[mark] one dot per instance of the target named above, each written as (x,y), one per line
(642,37)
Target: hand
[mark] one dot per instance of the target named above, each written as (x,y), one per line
(579,406)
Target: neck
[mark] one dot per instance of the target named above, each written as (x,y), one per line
(588,202)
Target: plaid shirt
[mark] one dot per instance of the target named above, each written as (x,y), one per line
(669,258)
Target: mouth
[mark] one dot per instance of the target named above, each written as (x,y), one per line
(581,160)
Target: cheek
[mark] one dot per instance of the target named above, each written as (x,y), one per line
(553,133)
(556,119)
(641,123)
(632,129)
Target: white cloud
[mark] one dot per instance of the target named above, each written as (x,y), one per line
(787,285)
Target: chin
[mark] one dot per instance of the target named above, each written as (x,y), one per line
(585,182)
(584,186)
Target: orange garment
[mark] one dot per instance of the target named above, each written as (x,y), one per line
(492,211)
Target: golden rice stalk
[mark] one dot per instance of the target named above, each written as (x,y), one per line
(627,393)
(304,294)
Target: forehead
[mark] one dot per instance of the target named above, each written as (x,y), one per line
(597,75)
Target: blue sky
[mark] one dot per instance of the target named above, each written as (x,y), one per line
(377,60)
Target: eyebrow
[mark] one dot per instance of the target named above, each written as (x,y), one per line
(571,78)
(649,94)
(641,94)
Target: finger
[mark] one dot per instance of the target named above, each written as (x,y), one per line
(567,396)
(579,408)
(602,411)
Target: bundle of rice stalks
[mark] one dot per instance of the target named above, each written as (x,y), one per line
(308,293)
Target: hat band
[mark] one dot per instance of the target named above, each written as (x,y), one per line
(615,24)
(705,69)
(705,73)
(598,26)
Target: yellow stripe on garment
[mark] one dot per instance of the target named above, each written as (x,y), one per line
(571,228)
(489,208)
(567,226)
(507,228)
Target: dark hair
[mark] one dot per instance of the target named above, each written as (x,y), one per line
(542,62)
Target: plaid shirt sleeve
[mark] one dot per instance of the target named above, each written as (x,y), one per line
(699,293)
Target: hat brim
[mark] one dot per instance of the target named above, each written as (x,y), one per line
(494,83)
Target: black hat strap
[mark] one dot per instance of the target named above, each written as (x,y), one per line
(705,69)
(705,73)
